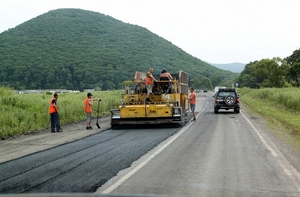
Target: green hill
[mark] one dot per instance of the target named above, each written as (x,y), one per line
(78,49)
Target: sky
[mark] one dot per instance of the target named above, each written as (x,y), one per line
(215,31)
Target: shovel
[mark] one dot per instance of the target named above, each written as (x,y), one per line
(97,124)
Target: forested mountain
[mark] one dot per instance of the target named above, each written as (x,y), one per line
(79,49)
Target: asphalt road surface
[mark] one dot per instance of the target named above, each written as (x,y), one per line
(224,154)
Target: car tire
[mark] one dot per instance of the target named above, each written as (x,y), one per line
(237,110)
(229,100)
(216,111)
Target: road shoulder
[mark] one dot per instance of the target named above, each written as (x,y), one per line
(21,145)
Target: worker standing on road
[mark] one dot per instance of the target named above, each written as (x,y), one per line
(88,102)
(192,99)
(149,81)
(53,111)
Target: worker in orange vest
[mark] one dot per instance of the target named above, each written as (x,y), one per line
(149,81)
(88,102)
(192,99)
(54,116)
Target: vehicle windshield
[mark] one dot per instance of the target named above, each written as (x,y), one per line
(226,93)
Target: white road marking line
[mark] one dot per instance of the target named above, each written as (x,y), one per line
(142,164)
(260,137)
(133,171)
(287,168)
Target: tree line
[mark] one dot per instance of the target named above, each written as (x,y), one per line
(275,72)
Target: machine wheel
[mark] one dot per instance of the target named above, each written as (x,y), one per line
(113,126)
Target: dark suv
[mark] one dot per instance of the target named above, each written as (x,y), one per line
(227,99)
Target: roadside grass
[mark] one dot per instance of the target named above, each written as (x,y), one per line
(280,107)
(25,113)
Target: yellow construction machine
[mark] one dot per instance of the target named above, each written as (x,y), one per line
(168,103)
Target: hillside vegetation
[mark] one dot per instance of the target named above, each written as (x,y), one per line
(77,49)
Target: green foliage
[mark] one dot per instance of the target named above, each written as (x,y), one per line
(287,98)
(24,113)
(206,83)
(264,73)
(294,58)
(196,83)
(77,49)
(216,80)
(5,91)
(248,78)
(274,72)
(293,76)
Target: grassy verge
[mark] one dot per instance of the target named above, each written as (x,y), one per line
(280,107)
(24,113)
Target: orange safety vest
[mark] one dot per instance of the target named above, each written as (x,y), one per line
(193,98)
(148,80)
(52,108)
(87,107)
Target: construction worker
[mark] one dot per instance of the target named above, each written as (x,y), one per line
(54,116)
(192,99)
(88,102)
(149,81)
(164,73)
(165,86)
